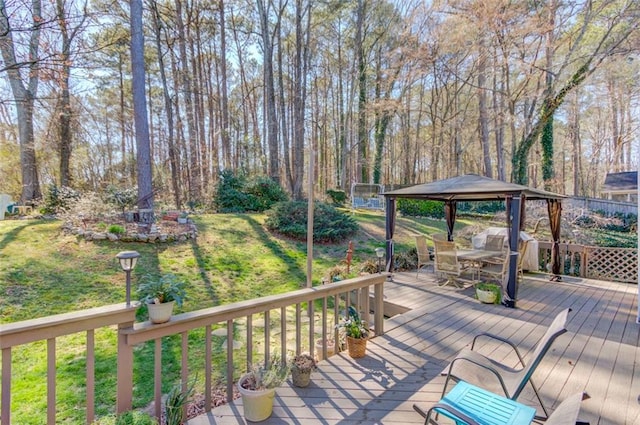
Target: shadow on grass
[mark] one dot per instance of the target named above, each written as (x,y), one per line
(12,235)
(268,242)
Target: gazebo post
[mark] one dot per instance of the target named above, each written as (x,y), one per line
(512,285)
(390,224)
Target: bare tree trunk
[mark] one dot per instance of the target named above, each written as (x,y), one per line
(145,189)
(363,142)
(194,172)
(301,64)
(24,96)
(483,119)
(270,97)
(226,142)
(173,153)
(64,118)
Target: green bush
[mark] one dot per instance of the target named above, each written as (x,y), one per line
(329,224)
(421,208)
(237,194)
(59,199)
(481,207)
(337,196)
(116,229)
(122,198)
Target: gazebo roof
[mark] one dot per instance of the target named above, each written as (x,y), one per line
(470,187)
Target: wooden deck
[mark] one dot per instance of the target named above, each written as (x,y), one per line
(599,354)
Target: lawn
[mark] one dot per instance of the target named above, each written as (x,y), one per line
(44,271)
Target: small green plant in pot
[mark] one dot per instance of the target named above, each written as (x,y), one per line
(356,332)
(257,388)
(160,295)
(488,293)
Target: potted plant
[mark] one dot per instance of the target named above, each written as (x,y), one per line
(488,293)
(257,388)
(160,295)
(182,218)
(301,367)
(321,343)
(356,332)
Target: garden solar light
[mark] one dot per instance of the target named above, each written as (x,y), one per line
(128,260)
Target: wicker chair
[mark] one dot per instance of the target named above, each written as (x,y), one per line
(447,264)
(424,256)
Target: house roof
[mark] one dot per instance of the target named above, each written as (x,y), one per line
(616,182)
(470,187)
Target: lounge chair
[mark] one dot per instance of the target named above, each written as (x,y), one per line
(491,409)
(477,369)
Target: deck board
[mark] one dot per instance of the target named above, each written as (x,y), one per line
(599,354)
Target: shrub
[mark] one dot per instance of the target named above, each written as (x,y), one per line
(237,194)
(406,260)
(122,198)
(59,199)
(329,224)
(337,196)
(116,229)
(263,193)
(421,208)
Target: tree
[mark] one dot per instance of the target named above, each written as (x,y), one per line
(143,148)
(24,94)
(609,25)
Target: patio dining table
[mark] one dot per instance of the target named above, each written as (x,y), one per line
(476,257)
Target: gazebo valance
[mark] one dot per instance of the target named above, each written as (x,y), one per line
(472,187)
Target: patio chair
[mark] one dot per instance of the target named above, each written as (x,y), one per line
(424,256)
(447,264)
(521,252)
(496,270)
(475,368)
(494,243)
(475,412)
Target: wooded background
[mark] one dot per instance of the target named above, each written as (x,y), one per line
(394,92)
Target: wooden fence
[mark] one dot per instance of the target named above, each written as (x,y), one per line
(593,262)
(604,206)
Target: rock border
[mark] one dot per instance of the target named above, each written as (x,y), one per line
(153,236)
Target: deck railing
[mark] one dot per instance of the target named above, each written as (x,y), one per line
(331,299)
(593,262)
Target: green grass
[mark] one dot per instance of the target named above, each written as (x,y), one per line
(44,271)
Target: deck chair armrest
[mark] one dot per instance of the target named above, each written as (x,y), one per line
(452,411)
(501,339)
(482,366)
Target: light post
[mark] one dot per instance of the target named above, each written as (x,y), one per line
(380,255)
(128,260)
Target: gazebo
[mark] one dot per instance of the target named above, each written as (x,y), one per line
(472,187)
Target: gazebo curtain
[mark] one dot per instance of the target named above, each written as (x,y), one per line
(390,224)
(450,208)
(554,207)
